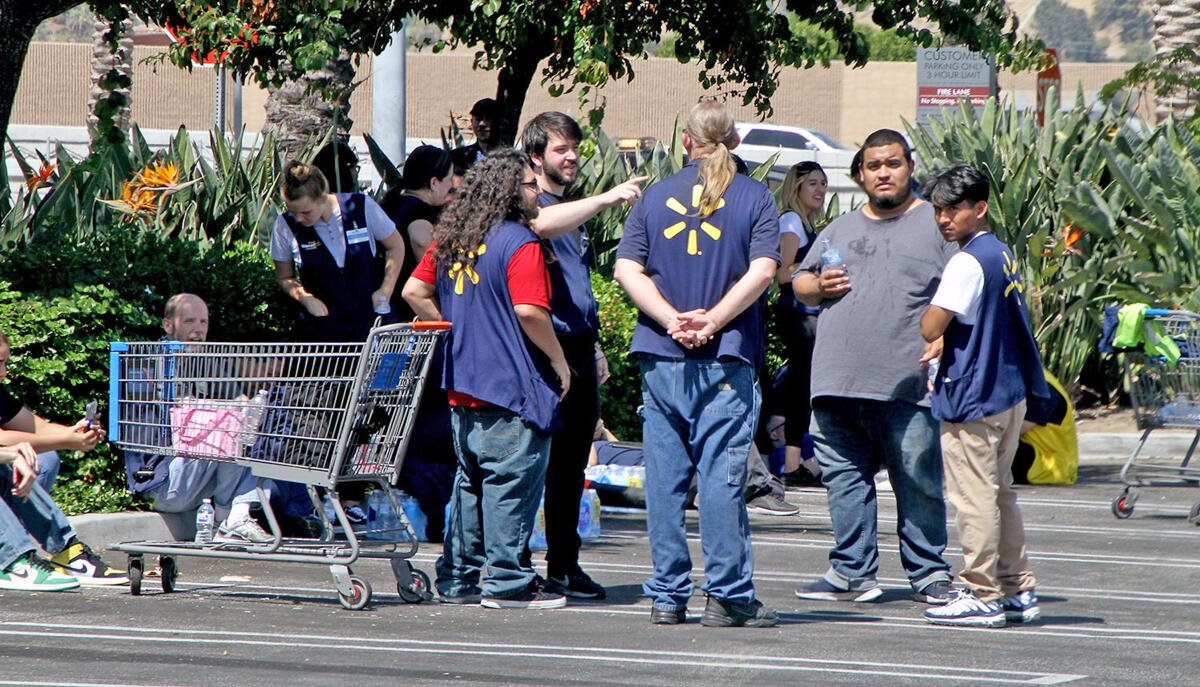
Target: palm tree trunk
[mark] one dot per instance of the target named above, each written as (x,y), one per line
(110,111)
(1176,25)
(305,110)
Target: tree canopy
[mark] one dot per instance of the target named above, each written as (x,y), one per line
(582,44)
(741,45)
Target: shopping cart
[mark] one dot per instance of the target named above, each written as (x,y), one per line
(1165,395)
(315,414)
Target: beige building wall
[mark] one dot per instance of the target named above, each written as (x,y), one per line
(845,103)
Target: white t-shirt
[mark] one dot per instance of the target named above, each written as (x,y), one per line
(790,223)
(283,241)
(962,286)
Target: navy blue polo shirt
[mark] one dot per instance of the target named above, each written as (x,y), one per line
(573,308)
(694,261)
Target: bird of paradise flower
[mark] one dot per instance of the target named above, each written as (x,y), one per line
(148,189)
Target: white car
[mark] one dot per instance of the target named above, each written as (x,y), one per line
(761,140)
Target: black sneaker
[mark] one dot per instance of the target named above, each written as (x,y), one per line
(723,613)
(800,477)
(575,584)
(666,616)
(528,598)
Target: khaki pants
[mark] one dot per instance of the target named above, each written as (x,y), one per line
(978,458)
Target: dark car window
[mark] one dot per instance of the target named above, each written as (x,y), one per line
(780,139)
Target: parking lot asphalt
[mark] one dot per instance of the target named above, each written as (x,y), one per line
(1118,598)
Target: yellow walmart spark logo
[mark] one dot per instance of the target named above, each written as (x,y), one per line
(464,269)
(1010,273)
(693,239)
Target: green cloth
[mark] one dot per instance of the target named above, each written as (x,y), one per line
(1129,326)
(1133,329)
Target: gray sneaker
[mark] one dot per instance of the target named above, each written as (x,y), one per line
(770,504)
(936,593)
(244,531)
(822,590)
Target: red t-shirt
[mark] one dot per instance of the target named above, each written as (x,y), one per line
(528,284)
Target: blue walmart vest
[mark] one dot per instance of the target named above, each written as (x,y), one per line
(994,364)
(488,355)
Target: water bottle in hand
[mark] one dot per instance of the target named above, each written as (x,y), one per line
(204,522)
(831,257)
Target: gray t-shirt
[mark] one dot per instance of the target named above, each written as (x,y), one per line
(869,341)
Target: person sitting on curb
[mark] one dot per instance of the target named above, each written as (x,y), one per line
(19,426)
(18,423)
(179,485)
(29,517)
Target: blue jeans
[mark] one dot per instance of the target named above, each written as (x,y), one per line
(699,417)
(48,466)
(501,473)
(24,520)
(191,480)
(853,438)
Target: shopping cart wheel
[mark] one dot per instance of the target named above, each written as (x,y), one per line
(362,594)
(1122,506)
(1194,514)
(170,572)
(417,590)
(135,575)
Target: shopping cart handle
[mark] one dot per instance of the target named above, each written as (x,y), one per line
(430,325)
(1158,312)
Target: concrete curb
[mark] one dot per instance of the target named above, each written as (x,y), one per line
(102,530)
(1105,446)
(105,529)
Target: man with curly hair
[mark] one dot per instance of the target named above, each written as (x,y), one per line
(504,375)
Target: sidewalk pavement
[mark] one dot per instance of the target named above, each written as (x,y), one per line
(105,529)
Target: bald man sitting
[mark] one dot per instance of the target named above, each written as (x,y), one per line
(179,485)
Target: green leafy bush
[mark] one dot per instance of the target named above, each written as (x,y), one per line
(1098,209)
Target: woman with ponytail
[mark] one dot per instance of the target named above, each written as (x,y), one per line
(698,252)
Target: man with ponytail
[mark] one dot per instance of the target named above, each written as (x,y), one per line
(698,252)
(504,375)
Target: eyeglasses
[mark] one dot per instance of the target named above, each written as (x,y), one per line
(805,166)
(531,185)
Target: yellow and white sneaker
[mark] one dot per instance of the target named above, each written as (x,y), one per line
(79,561)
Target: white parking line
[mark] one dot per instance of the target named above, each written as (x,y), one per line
(59,683)
(555,653)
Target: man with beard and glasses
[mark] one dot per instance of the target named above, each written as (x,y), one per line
(504,375)
(870,395)
(551,140)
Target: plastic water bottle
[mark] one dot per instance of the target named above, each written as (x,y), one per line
(831,257)
(589,515)
(537,540)
(382,306)
(412,511)
(254,417)
(934,366)
(204,522)
(377,513)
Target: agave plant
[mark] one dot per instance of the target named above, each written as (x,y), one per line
(1032,171)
